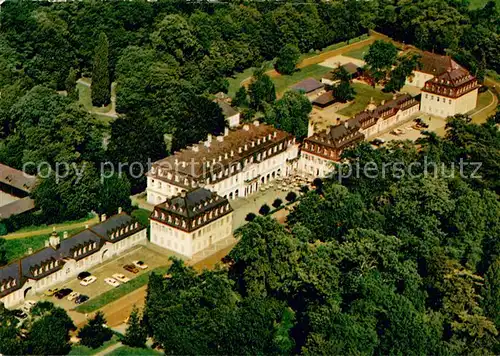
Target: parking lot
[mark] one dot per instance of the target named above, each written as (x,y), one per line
(409,132)
(151,257)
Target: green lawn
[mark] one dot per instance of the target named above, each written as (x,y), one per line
(334,46)
(283,82)
(17,248)
(477,4)
(85,99)
(127,351)
(84,350)
(44,226)
(358,53)
(141,215)
(235,81)
(117,293)
(363,94)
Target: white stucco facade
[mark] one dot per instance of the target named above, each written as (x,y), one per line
(443,106)
(188,243)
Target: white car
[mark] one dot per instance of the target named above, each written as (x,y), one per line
(88,280)
(112,282)
(28,305)
(73,296)
(121,278)
(140,264)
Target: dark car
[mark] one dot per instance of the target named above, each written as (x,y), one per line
(377,142)
(81,299)
(63,293)
(83,275)
(131,268)
(18,313)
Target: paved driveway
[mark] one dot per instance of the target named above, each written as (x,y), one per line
(151,257)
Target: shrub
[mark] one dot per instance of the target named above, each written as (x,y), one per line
(264,209)
(250,217)
(291,196)
(277,203)
(304,189)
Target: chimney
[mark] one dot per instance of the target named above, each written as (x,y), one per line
(226,131)
(220,138)
(54,239)
(275,134)
(103,217)
(346,124)
(30,250)
(246,147)
(220,158)
(256,123)
(183,193)
(196,148)
(232,153)
(240,149)
(246,127)
(183,164)
(176,161)
(383,102)
(225,155)
(253,143)
(65,235)
(209,137)
(338,120)
(120,210)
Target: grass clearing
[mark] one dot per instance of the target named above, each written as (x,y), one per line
(364,93)
(141,215)
(127,351)
(84,97)
(315,71)
(334,46)
(17,248)
(45,226)
(235,81)
(118,292)
(84,350)
(358,53)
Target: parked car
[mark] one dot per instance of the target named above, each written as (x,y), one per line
(397,132)
(28,305)
(82,298)
(88,280)
(377,142)
(112,282)
(63,293)
(51,292)
(73,296)
(140,264)
(18,313)
(121,278)
(131,268)
(83,275)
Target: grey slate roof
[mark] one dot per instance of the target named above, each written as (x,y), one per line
(20,270)
(308,85)
(227,110)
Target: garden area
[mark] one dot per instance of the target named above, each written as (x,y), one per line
(358,53)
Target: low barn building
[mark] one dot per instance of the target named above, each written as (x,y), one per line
(309,86)
(15,187)
(192,221)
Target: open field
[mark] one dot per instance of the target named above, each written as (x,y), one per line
(364,93)
(84,97)
(358,53)
(238,78)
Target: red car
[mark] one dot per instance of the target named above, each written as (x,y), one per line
(131,268)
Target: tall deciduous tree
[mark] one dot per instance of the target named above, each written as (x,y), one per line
(261,90)
(101,86)
(380,57)
(95,333)
(241,97)
(287,59)
(290,113)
